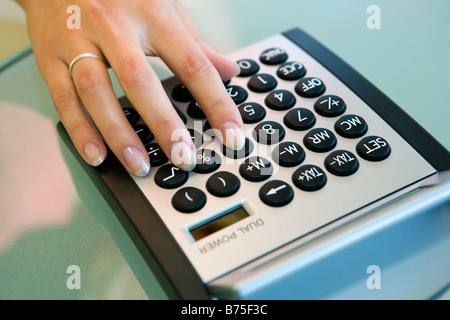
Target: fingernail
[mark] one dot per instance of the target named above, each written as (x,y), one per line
(183,156)
(234,135)
(136,162)
(93,154)
(238,68)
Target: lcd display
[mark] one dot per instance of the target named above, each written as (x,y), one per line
(219,223)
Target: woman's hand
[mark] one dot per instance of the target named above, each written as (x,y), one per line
(123,33)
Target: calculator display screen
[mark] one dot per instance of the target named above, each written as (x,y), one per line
(218,224)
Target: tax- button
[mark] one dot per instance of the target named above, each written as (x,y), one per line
(189,199)
(276,193)
(341,163)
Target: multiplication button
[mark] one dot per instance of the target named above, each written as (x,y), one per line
(276,193)
(309,178)
(373,148)
(341,163)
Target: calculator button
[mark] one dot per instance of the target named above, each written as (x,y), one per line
(207,160)
(223,184)
(262,82)
(330,106)
(320,140)
(252,112)
(269,132)
(280,100)
(351,126)
(299,119)
(292,70)
(169,177)
(288,154)
(373,148)
(341,163)
(181,94)
(194,111)
(255,169)
(132,115)
(237,93)
(196,137)
(238,154)
(309,178)
(248,67)
(276,193)
(189,199)
(143,132)
(310,87)
(273,56)
(157,156)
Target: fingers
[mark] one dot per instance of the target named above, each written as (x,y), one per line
(72,114)
(191,65)
(144,90)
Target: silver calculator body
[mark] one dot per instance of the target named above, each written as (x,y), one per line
(259,240)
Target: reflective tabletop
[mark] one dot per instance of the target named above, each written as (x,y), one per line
(50,233)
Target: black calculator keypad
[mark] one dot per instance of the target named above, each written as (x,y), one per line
(296,115)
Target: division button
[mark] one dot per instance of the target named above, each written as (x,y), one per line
(237,93)
(256,169)
(238,154)
(262,82)
(309,178)
(223,184)
(288,154)
(196,137)
(169,177)
(252,112)
(248,67)
(330,106)
(299,119)
(310,87)
(320,140)
(143,133)
(276,193)
(373,148)
(280,100)
(351,126)
(207,160)
(157,156)
(273,56)
(181,93)
(292,70)
(189,199)
(341,163)
(269,132)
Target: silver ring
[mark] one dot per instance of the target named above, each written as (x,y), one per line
(81,56)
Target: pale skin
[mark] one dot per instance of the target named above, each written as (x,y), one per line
(123,33)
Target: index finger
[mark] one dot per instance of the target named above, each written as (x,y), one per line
(190,64)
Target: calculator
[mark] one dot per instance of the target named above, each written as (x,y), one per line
(323,149)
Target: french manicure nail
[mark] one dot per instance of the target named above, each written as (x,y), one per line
(183,156)
(136,162)
(93,154)
(234,135)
